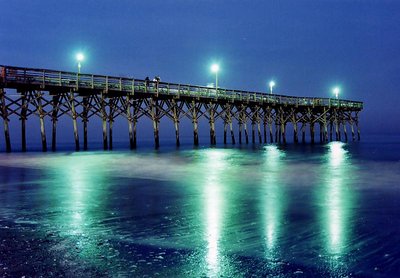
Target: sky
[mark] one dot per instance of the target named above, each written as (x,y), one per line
(307,47)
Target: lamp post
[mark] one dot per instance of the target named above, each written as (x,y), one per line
(336,91)
(215,69)
(271,85)
(79,58)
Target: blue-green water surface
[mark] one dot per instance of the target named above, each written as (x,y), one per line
(328,210)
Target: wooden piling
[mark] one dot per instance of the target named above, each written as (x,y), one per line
(345,131)
(312,132)
(134,131)
(325,123)
(240,131)
(225,131)
(336,129)
(104,121)
(54,118)
(321,135)
(246,134)
(283,126)
(253,132)
(74,120)
(85,120)
(259,132)
(211,112)
(154,112)
(24,106)
(265,130)
(232,133)
(38,96)
(111,122)
(271,136)
(195,124)
(176,121)
(6,120)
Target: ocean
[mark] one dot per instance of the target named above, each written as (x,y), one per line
(295,210)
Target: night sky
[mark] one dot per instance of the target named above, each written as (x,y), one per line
(307,47)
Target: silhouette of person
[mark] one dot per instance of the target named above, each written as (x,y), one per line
(147,82)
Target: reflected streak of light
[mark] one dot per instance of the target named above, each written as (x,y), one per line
(78,179)
(78,198)
(336,214)
(273,205)
(213,226)
(213,207)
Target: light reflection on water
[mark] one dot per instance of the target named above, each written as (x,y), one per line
(231,212)
(339,197)
(273,201)
(214,207)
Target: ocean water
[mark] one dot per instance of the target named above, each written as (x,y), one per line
(329,210)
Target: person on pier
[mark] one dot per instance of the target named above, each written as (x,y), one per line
(156,81)
(147,82)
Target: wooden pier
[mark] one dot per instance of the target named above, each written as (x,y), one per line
(50,94)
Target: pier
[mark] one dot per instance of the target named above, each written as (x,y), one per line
(49,95)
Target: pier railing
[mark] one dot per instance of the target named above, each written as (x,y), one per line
(45,79)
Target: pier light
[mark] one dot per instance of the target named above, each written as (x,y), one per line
(215,69)
(79,57)
(336,91)
(271,85)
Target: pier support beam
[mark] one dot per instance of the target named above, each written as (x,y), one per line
(211,111)
(312,132)
(38,96)
(325,126)
(104,121)
(74,120)
(111,122)
(232,133)
(283,125)
(265,125)
(295,133)
(246,134)
(130,120)
(195,123)
(6,120)
(294,121)
(135,120)
(321,134)
(253,132)
(175,115)
(85,123)
(352,129)
(156,122)
(225,130)
(24,107)
(243,124)
(271,135)
(54,119)
(358,127)
(240,131)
